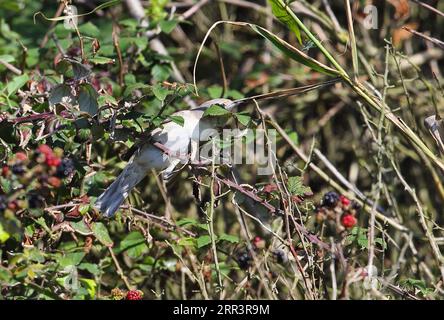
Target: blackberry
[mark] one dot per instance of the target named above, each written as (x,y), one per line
(35,201)
(280,256)
(330,199)
(65,168)
(18,169)
(355,205)
(244,260)
(134,295)
(3,203)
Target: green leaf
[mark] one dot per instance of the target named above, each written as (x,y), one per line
(80,71)
(186,242)
(101,233)
(202,241)
(3,234)
(293,52)
(133,239)
(160,92)
(84,208)
(215,92)
(81,227)
(243,118)
(296,186)
(88,99)
(177,119)
(91,286)
(160,72)
(61,93)
(71,259)
(89,29)
(294,137)
(216,111)
(16,83)
(229,238)
(279,11)
(167,25)
(102,60)
(90,267)
(186,221)
(135,86)
(7,58)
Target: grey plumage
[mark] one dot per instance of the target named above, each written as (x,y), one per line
(173,137)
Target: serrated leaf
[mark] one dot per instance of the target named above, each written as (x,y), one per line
(202,241)
(216,111)
(101,233)
(296,187)
(88,99)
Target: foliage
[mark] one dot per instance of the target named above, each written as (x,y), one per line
(75,103)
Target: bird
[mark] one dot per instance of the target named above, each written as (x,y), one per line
(165,148)
(173,143)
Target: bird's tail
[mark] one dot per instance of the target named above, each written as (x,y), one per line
(111,199)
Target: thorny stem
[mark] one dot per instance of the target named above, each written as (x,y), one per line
(210,224)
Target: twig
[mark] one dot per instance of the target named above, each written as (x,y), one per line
(119,269)
(10,67)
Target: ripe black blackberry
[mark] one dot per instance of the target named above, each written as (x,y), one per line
(35,201)
(65,168)
(330,199)
(3,203)
(280,256)
(18,169)
(244,260)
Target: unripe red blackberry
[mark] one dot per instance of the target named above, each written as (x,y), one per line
(348,221)
(344,200)
(134,295)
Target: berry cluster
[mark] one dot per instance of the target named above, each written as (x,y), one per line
(245,260)
(117,294)
(33,177)
(339,210)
